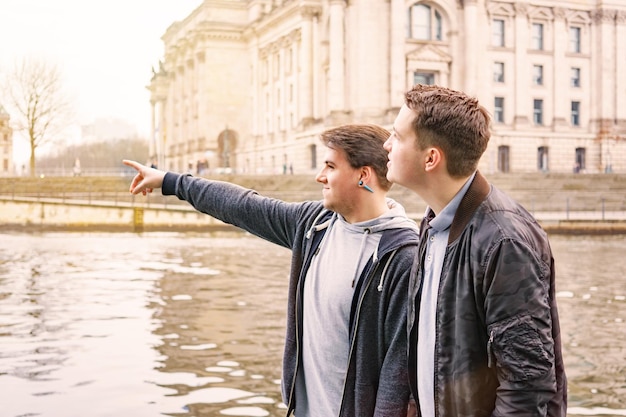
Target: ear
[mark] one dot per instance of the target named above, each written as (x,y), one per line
(366,174)
(433,158)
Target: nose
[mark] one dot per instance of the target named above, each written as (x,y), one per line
(321,178)
(387,144)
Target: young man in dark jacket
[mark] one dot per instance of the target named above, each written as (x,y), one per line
(483,322)
(346,342)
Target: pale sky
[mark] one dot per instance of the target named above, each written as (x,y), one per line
(104,49)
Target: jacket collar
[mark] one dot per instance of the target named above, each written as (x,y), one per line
(477,192)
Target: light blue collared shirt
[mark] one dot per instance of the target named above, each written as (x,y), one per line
(433,262)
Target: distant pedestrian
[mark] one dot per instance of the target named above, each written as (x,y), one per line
(76,169)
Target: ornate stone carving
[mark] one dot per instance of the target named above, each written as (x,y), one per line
(559,12)
(604,16)
(309,12)
(295,35)
(521,9)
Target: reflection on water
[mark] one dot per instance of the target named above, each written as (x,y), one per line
(193,325)
(121,325)
(591,284)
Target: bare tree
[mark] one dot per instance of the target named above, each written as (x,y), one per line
(34,89)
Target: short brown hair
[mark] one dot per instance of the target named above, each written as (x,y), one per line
(363,145)
(452,121)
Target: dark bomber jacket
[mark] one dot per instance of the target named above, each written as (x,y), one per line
(498,344)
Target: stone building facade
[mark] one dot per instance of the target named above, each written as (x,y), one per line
(248,85)
(6,144)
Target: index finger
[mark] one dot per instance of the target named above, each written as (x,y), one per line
(132,164)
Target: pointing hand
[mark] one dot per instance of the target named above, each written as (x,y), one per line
(146,179)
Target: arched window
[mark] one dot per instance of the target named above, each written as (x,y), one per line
(580,163)
(425,23)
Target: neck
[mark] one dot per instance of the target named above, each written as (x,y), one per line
(441,192)
(369,207)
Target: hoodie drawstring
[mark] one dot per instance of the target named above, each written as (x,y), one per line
(317,227)
(358,260)
(382,276)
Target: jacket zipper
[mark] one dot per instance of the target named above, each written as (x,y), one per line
(489,350)
(290,407)
(356,328)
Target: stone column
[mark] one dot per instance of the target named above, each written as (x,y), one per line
(153,148)
(604,83)
(305,66)
(470,46)
(398,62)
(522,80)
(620,69)
(561,71)
(336,37)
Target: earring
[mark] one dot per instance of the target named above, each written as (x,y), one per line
(367,187)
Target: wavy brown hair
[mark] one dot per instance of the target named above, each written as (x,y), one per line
(363,145)
(451,121)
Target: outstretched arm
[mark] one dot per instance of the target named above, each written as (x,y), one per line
(146,179)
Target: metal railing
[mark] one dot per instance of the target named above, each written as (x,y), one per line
(561,207)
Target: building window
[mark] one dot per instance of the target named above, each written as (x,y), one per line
(427,78)
(425,23)
(575,113)
(538,74)
(497,32)
(503,158)
(537,36)
(498,72)
(538,112)
(498,109)
(313,156)
(575,77)
(542,159)
(580,161)
(574,39)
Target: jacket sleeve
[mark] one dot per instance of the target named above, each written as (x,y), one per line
(519,327)
(393,389)
(271,219)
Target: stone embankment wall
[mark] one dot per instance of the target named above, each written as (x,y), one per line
(582,202)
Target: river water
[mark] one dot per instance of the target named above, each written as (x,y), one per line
(187,325)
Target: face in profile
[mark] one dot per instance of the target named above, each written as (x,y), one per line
(405,159)
(340,181)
